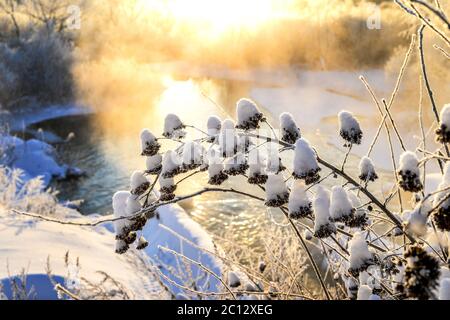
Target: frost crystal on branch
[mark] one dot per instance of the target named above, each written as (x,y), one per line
(139,183)
(173,127)
(443,132)
(248,115)
(149,143)
(154,164)
(409,172)
(360,256)
(257,173)
(299,204)
(214,125)
(441,216)
(367,170)
(421,273)
(277,193)
(349,128)
(171,164)
(289,129)
(341,208)
(306,166)
(323,227)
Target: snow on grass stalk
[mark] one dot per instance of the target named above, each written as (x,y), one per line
(149,143)
(193,154)
(359,219)
(119,201)
(139,183)
(173,127)
(228,139)
(421,273)
(441,216)
(236,165)
(360,256)
(341,208)
(154,164)
(142,243)
(233,280)
(306,166)
(443,132)
(277,193)
(213,125)
(300,205)
(290,132)
(323,226)
(367,170)
(349,128)
(167,188)
(257,173)
(216,173)
(248,115)
(409,172)
(274,164)
(171,164)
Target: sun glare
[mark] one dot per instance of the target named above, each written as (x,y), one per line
(220,15)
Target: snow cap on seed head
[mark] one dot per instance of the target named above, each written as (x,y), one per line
(248,115)
(173,127)
(149,143)
(367,170)
(349,128)
(306,166)
(289,129)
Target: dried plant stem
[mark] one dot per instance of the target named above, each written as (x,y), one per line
(432,27)
(201,266)
(60,288)
(445,53)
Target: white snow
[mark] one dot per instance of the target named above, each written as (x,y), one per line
(273,161)
(348,122)
(275,186)
(444,289)
(228,140)
(138,179)
(173,127)
(409,162)
(364,292)
(445,116)
(298,198)
(214,125)
(147,138)
(26,243)
(340,204)
(256,163)
(235,162)
(246,109)
(288,126)
(215,167)
(153,162)
(305,159)
(34,157)
(170,164)
(166,182)
(193,153)
(132,206)
(366,168)
(321,205)
(445,183)
(177,220)
(359,251)
(119,208)
(233,280)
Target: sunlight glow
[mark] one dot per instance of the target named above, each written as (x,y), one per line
(220,15)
